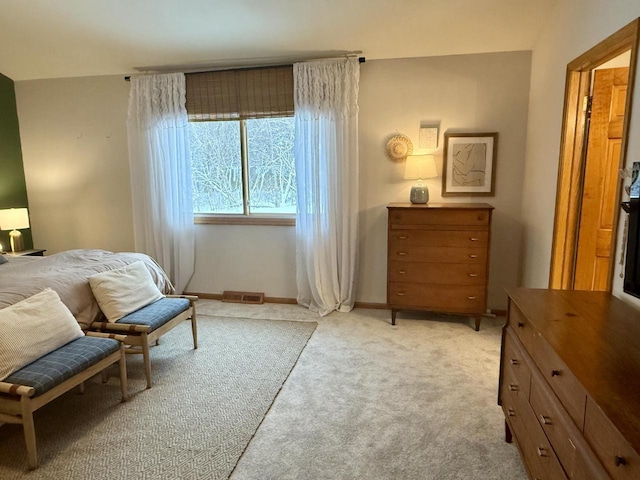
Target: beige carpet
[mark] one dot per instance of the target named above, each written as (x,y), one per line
(195,422)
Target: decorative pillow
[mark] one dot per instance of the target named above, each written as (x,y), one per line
(3,259)
(32,328)
(124,290)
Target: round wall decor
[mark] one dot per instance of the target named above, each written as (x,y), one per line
(399,147)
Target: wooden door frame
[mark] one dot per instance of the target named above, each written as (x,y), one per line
(572,145)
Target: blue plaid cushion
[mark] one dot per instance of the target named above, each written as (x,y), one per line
(63,363)
(157,313)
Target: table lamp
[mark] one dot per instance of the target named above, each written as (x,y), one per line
(420,167)
(14,219)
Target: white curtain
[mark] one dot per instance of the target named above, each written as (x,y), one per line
(161,174)
(326,157)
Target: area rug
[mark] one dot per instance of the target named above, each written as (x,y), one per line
(203,409)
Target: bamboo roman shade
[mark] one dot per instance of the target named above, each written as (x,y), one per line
(240,94)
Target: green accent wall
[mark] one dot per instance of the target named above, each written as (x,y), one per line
(13,188)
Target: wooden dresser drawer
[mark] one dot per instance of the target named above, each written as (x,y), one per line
(562,381)
(439,238)
(514,357)
(554,421)
(522,327)
(617,456)
(437,254)
(439,273)
(439,217)
(446,298)
(536,448)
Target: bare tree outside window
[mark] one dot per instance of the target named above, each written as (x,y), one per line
(217,166)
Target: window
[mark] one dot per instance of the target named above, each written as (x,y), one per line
(241,134)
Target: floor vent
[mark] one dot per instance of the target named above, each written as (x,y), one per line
(243,297)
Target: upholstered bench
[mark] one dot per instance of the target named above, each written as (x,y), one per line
(149,323)
(36,384)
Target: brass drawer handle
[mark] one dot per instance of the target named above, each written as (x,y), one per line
(511,412)
(402,237)
(513,387)
(619,461)
(473,256)
(545,420)
(541,452)
(401,294)
(473,239)
(514,361)
(473,275)
(555,373)
(402,253)
(472,297)
(402,272)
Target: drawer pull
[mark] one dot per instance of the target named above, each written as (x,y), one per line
(473,239)
(402,253)
(545,420)
(402,272)
(619,461)
(555,373)
(401,294)
(473,256)
(513,387)
(473,274)
(520,325)
(472,297)
(514,361)
(402,237)
(511,412)
(542,452)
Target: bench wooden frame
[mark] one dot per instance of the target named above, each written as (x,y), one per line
(138,337)
(17,405)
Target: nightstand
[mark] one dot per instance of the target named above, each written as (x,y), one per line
(27,253)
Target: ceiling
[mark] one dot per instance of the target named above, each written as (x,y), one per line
(69,38)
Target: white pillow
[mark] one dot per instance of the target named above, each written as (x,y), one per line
(32,328)
(124,290)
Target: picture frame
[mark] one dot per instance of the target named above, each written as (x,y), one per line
(469,164)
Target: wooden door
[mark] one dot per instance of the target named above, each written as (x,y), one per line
(599,203)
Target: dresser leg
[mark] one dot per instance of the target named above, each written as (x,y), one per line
(393,317)
(478,318)
(507,433)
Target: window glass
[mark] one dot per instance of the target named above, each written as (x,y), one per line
(272,178)
(216,167)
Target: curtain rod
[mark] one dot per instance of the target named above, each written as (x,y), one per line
(213,69)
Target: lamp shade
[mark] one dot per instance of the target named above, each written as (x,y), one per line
(14,218)
(420,166)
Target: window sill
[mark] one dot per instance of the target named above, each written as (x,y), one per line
(274,221)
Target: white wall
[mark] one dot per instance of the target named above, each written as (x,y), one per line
(74,141)
(573,28)
(75,154)
(481,93)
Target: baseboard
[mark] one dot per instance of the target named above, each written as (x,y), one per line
(372,305)
(287,300)
(218,296)
(293,301)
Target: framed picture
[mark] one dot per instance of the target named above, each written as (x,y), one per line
(469,164)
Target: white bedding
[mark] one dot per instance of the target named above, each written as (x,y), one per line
(67,273)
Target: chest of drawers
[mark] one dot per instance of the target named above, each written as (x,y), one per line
(438,258)
(570,384)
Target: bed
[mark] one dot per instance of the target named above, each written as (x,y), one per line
(67,273)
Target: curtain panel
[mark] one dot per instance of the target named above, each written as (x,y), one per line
(159,159)
(326,156)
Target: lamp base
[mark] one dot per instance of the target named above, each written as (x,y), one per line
(17,244)
(419,193)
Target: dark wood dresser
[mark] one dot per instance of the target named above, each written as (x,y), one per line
(570,384)
(438,258)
